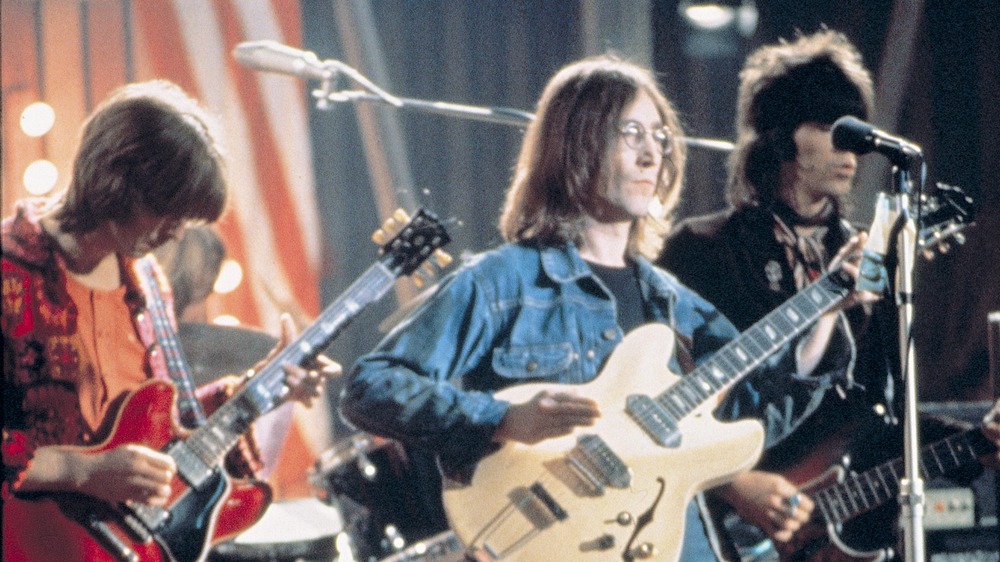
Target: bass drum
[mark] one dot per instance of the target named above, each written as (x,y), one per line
(305,530)
(376,487)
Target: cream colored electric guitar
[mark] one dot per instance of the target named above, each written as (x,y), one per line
(618,490)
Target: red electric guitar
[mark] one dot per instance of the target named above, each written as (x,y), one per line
(206,505)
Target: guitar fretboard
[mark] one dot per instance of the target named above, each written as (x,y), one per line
(861,493)
(266,389)
(741,355)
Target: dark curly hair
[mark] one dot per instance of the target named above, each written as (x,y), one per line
(817,77)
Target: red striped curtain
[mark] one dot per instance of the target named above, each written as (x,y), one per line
(72,53)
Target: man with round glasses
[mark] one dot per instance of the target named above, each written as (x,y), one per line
(598,173)
(635,134)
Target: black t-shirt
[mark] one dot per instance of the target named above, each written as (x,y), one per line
(623,282)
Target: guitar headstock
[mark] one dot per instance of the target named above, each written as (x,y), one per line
(944,214)
(413,241)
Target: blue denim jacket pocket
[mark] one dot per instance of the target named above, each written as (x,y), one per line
(532,362)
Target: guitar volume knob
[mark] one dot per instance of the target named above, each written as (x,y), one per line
(644,550)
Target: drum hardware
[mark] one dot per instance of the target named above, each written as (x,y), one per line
(302,530)
(369,480)
(443,547)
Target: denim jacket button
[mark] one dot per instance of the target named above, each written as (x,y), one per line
(591,354)
(531,366)
(610,334)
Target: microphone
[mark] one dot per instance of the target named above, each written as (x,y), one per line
(271,56)
(851,133)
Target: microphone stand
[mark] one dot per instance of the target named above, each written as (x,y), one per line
(911,487)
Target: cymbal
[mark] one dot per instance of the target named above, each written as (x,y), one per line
(213,351)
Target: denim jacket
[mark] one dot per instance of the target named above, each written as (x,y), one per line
(524,313)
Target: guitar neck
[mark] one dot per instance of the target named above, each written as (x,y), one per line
(861,493)
(266,390)
(740,356)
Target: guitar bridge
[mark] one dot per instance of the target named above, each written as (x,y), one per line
(141,518)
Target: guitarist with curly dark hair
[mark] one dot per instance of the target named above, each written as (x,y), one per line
(787,191)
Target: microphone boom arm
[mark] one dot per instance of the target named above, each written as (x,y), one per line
(270,56)
(497,115)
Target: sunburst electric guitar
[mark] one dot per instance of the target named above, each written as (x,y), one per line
(206,505)
(843,497)
(618,490)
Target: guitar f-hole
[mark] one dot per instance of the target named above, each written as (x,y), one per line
(644,550)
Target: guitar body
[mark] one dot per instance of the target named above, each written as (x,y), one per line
(857,513)
(57,527)
(502,513)
(867,538)
(206,505)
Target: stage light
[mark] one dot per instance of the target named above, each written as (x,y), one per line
(37,119)
(711,16)
(226,320)
(708,15)
(230,277)
(40,177)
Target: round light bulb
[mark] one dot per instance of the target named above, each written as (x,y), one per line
(40,177)
(37,119)
(230,277)
(226,320)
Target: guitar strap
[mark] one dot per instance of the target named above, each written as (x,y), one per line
(189,407)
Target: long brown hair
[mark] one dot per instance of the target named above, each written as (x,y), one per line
(148,146)
(563,162)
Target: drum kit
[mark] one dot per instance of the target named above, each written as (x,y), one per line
(365,507)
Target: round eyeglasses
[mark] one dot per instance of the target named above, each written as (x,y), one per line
(634,134)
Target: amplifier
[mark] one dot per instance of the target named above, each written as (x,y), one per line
(960,522)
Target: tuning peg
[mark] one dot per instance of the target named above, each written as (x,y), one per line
(959,238)
(401,216)
(418,280)
(429,269)
(442,258)
(388,229)
(928,254)
(944,247)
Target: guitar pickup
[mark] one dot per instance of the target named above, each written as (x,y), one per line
(654,419)
(117,547)
(189,466)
